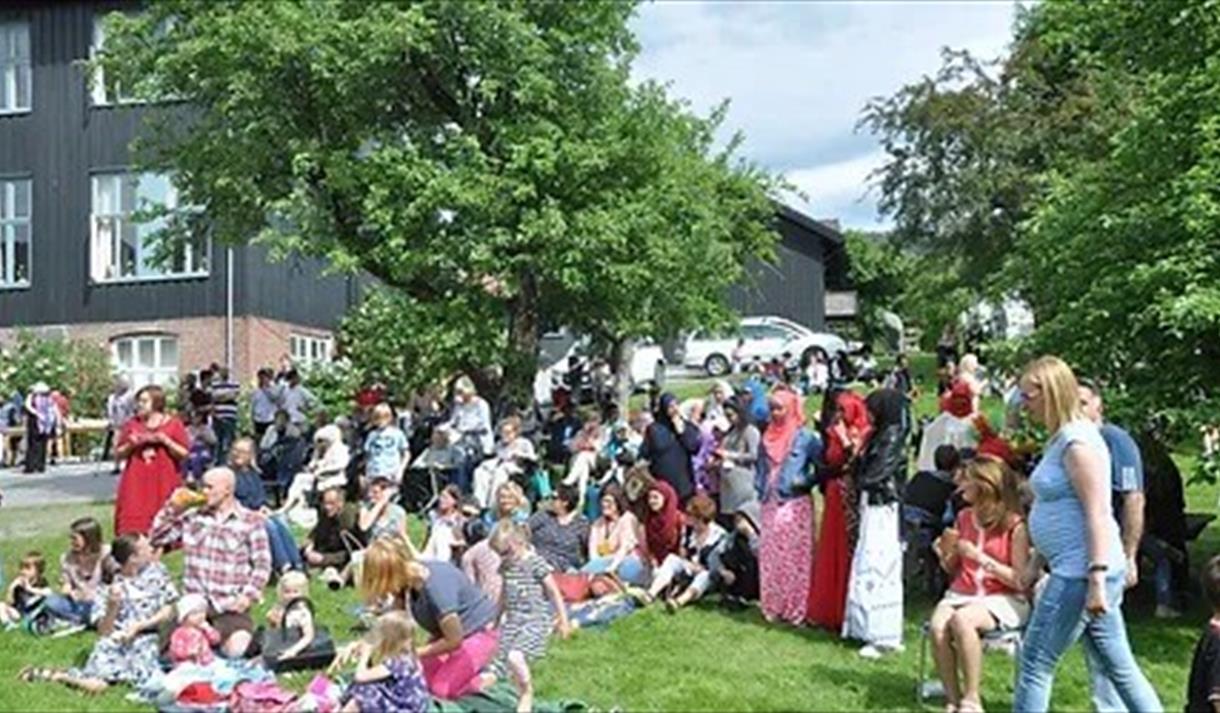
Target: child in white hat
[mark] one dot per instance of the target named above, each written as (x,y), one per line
(194,638)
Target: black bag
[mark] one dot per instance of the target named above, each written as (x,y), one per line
(318,655)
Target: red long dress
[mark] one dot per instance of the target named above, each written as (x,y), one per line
(149,478)
(832,566)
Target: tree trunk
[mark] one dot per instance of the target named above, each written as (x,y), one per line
(621,353)
(524,332)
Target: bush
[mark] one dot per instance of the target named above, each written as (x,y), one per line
(80,369)
(333,384)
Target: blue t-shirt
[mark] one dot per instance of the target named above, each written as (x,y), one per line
(1126,465)
(384,449)
(1056,521)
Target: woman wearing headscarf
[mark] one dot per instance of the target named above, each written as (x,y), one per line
(738,459)
(874,591)
(845,427)
(669,443)
(784,478)
(662,523)
(326,469)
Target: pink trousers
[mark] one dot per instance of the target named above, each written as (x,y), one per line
(455,674)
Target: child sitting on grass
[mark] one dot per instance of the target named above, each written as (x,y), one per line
(388,676)
(194,638)
(27,590)
(1203,689)
(291,621)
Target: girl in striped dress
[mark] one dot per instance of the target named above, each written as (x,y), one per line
(527,618)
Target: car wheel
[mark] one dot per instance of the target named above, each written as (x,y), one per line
(716,365)
(811,352)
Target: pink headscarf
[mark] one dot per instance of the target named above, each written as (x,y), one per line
(777,440)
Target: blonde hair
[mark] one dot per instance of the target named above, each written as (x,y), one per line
(391,566)
(516,491)
(999,492)
(293,580)
(969,364)
(507,535)
(464,387)
(393,635)
(383,414)
(1060,390)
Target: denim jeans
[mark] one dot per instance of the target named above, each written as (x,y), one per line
(68,609)
(1058,620)
(284,552)
(226,433)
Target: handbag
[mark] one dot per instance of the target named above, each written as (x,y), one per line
(318,655)
(355,552)
(574,587)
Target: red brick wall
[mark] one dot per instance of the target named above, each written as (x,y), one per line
(201,341)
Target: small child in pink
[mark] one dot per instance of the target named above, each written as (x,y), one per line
(194,638)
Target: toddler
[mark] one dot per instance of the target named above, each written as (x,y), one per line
(291,620)
(388,676)
(194,638)
(27,590)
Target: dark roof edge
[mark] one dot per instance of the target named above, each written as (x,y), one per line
(798,218)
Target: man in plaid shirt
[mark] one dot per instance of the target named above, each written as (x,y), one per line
(227,558)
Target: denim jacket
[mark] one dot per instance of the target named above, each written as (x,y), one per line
(798,474)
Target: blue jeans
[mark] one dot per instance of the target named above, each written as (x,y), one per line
(68,609)
(284,552)
(226,433)
(1058,620)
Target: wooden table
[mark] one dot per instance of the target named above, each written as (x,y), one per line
(10,438)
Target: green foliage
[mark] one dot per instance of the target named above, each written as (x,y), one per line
(1081,173)
(490,162)
(79,368)
(334,384)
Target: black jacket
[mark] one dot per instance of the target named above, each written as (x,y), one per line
(883,465)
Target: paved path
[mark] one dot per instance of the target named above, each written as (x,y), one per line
(60,485)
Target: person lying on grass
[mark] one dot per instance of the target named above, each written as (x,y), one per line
(139,601)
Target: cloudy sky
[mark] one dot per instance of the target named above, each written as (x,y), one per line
(798,74)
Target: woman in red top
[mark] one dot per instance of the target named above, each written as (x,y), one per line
(986,552)
(153,444)
(845,429)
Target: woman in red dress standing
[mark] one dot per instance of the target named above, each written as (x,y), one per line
(153,443)
(845,429)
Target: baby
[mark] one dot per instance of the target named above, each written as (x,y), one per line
(291,620)
(194,638)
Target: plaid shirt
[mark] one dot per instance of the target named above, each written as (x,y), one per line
(224,558)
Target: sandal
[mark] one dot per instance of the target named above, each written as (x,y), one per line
(34,674)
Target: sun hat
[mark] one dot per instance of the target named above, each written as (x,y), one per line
(189,604)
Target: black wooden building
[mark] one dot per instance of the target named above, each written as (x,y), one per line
(72,258)
(793,284)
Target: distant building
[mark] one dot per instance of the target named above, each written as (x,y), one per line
(793,285)
(73,261)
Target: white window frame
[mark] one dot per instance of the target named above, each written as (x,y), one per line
(14,68)
(105,265)
(310,348)
(98,92)
(9,222)
(160,373)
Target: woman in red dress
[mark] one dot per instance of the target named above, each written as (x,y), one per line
(845,429)
(153,444)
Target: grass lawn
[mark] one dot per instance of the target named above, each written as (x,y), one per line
(700,659)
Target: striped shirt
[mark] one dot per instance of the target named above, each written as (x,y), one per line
(225,557)
(224,400)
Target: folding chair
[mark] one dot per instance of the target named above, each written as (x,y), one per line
(1011,641)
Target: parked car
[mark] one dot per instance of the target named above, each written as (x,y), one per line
(647,367)
(762,339)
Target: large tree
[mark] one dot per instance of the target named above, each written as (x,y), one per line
(480,159)
(1081,172)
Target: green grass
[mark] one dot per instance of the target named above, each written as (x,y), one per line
(700,659)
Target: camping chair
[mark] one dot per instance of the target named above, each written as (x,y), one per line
(421,486)
(921,567)
(1008,640)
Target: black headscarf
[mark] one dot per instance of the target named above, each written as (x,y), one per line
(887,407)
(661,415)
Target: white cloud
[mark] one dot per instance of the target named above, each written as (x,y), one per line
(798,74)
(837,190)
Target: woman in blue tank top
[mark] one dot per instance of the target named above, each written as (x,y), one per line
(1073,530)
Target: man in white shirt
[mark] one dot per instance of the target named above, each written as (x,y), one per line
(296,399)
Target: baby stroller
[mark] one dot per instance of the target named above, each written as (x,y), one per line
(925,500)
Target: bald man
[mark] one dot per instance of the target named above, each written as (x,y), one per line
(227,558)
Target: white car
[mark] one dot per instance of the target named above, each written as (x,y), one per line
(647,367)
(762,339)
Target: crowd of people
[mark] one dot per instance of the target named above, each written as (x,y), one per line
(540,524)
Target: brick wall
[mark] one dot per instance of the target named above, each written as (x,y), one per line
(201,341)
